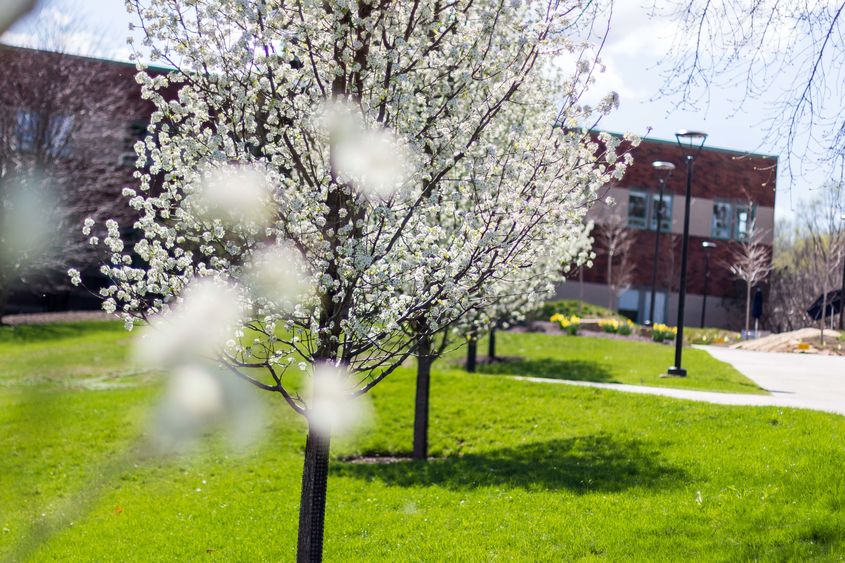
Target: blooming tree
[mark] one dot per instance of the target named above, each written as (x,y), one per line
(506,297)
(335,140)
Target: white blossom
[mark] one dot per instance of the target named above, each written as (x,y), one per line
(332,406)
(197,327)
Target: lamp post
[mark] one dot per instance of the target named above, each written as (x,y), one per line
(666,168)
(707,246)
(691,143)
(842,291)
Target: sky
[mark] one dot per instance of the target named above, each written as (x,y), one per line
(631,55)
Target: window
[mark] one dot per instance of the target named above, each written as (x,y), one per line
(135,131)
(664,208)
(629,304)
(659,306)
(643,207)
(30,133)
(742,221)
(26,130)
(722,216)
(637,210)
(58,135)
(731,220)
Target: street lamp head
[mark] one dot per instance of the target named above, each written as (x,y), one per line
(707,244)
(690,141)
(662,165)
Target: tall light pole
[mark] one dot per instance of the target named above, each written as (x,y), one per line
(691,143)
(666,169)
(842,291)
(707,246)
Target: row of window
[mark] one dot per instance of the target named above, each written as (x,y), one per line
(55,132)
(731,220)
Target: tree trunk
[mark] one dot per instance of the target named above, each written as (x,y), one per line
(421,404)
(610,282)
(824,310)
(4,298)
(312,502)
(580,289)
(472,353)
(491,345)
(747,307)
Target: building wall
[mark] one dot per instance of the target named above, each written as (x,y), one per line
(721,312)
(720,176)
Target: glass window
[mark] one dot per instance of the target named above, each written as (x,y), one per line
(721,220)
(637,210)
(58,135)
(742,222)
(26,130)
(629,304)
(664,207)
(659,306)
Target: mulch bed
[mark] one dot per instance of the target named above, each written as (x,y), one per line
(382,459)
(63,317)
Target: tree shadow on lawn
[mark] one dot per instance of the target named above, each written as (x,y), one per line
(550,368)
(583,464)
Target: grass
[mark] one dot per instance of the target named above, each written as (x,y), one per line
(610,361)
(525,471)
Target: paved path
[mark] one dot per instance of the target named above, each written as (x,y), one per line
(793,380)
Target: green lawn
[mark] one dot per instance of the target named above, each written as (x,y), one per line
(525,472)
(609,361)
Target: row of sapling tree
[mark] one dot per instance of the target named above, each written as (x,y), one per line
(389,161)
(507,296)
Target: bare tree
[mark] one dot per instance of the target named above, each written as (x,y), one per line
(751,262)
(64,124)
(615,240)
(823,225)
(793,284)
(808,260)
(764,46)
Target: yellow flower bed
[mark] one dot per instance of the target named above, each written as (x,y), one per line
(661,332)
(570,324)
(615,326)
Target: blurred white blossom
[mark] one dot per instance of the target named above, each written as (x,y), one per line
(332,408)
(25,223)
(278,274)
(197,400)
(12,10)
(376,161)
(235,194)
(197,327)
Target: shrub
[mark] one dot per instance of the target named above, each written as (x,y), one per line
(570,324)
(661,332)
(568,307)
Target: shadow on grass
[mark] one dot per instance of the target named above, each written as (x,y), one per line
(550,368)
(582,465)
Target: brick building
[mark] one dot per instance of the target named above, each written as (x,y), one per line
(71,121)
(730,189)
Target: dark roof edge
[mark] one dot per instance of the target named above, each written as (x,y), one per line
(162,69)
(706,147)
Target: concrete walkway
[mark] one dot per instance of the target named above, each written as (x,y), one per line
(793,380)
